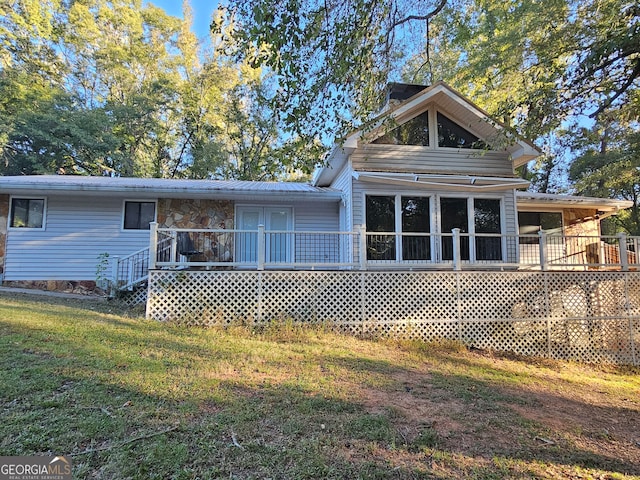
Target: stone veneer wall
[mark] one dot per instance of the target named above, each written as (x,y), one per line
(188,213)
(197,214)
(575,226)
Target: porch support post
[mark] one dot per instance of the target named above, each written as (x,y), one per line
(174,247)
(261,247)
(622,247)
(456,249)
(113,283)
(362,253)
(542,243)
(153,245)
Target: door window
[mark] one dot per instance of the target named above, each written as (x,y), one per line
(278,223)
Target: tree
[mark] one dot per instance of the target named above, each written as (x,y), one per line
(253,147)
(536,65)
(608,165)
(332,59)
(115,87)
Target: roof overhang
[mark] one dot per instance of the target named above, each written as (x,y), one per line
(535,201)
(457,183)
(165,188)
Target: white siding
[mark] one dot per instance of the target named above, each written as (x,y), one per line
(78,229)
(343,182)
(322,217)
(416,159)
(319,216)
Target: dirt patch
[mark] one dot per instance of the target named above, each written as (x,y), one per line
(552,419)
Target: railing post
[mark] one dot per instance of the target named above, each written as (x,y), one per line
(174,247)
(544,265)
(153,245)
(113,284)
(261,247)
(362,253)
(456,249)
(622,246)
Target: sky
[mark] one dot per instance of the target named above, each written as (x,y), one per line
(202,10)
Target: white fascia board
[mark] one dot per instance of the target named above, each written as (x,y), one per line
(324,175)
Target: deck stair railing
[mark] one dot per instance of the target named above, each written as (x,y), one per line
(133,270)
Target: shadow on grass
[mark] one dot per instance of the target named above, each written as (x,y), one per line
(90,384)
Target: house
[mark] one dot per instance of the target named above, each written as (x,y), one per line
(423,186)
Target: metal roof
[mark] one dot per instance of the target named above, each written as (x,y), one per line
(224,189)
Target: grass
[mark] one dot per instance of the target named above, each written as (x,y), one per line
(130,398)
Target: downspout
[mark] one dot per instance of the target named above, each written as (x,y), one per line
(4,222)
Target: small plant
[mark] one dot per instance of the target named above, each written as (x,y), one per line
(102,278)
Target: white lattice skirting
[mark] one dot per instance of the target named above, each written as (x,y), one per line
(584,316)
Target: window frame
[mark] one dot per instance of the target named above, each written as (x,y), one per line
(481,143)
(11,210)
(432,112)
(124,213)
(528,238)
(398,231)
(471,224)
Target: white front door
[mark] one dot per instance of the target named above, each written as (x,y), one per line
(278,223)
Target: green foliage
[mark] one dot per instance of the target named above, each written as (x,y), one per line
(536,65)
(121,88)
(332,59)
(609,166)
(102,268)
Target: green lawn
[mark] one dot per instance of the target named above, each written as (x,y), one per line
(130,398)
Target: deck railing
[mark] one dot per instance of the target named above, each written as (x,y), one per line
(133,269)
(262,249)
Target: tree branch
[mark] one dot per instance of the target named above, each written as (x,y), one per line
(126,442)
(623,88)
(412,18)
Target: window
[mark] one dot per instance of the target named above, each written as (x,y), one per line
(485,222)
(27,213)
(399,228)
(392,215)
(487,225)
(450,134)
(381,214)
(530,223)
(416,132)
(413,132)
(454,213)
(416,219)
(138,215)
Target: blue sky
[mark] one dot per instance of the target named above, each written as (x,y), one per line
(202,10)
